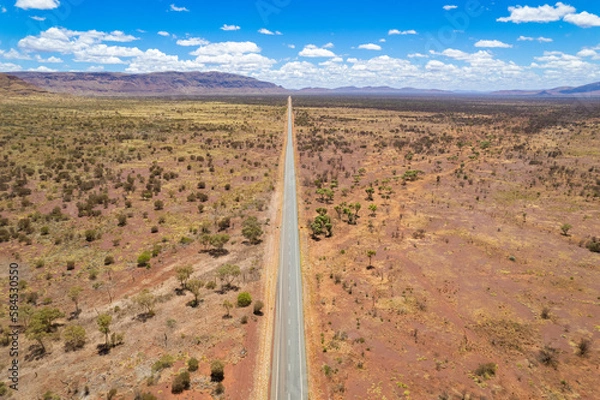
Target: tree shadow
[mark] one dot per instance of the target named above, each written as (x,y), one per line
(193,303)
(143,317)
(36,352)
(249,243)
(227,288)
(103,349)
(179,291)
(74,315)
(226,316)
(370,267)
(216,253)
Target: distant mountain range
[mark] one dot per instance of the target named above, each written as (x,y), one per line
(153,84)
(218,83)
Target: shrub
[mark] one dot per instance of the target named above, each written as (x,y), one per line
(159,205)
(192,364)
(258,305)
(108,260)
(143,259)
(70,265)
(211,285)
(90,235)
(217,371)
(122,220)
(44,230)
(548,356)
(154,229)
(74,336)
(594,245)
(486,370)
(165,361)
(219,389)
(111,394)
(181,382)
(244,299)
(145,396)
(583,347)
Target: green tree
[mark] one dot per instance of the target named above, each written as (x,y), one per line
(41,323)
(144,259)
(321,224)
(244,299)
(104,320)
(227,273)
(192,364)
(74,336)
(181,382)
(146,301)
(565,229)
(183,273)
(73,294)
(194,286)
(371,254)
(258,306)
(219,240)
(373,209)
(370,192)
(252,230)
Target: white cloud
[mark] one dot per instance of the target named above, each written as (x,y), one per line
(85,46)
(96,68)
(13,54)
(382,40)
(42,68)
(540,39)
(291,46)
(312,51)
(398,32)
(3,9)
(192,42)
(369,46)
(215,49)
(51,59)
(164,33)
(417,55)
(328,45)
(9,67)
(583,19)
(37,4)
(450,7)
(36,18)
(226,27)
(545,13)
(492,43)
(589,53)
(265,31)
(178,9)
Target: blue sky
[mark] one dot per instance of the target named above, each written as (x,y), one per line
(466,44)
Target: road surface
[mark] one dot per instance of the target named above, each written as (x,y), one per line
(288,367)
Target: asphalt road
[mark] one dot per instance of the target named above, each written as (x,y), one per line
(288,368)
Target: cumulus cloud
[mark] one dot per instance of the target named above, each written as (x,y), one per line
(449,7)
(369,46)
(42,68)
(51,59)
(310,50)
(545,13)
(226,27)
(265,31)
(583,19)
(492,43)
(85,46)
(540,39)
(9,67)
(192,41)
(37,4)
(328,45)
(13,54)
(163,33)
(178,9)
(398,32)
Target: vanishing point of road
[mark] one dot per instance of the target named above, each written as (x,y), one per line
(288,367)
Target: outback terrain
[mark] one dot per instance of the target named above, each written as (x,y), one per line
(450,248)
(143,233)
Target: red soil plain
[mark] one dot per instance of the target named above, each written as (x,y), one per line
(454,279)
(88,186)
